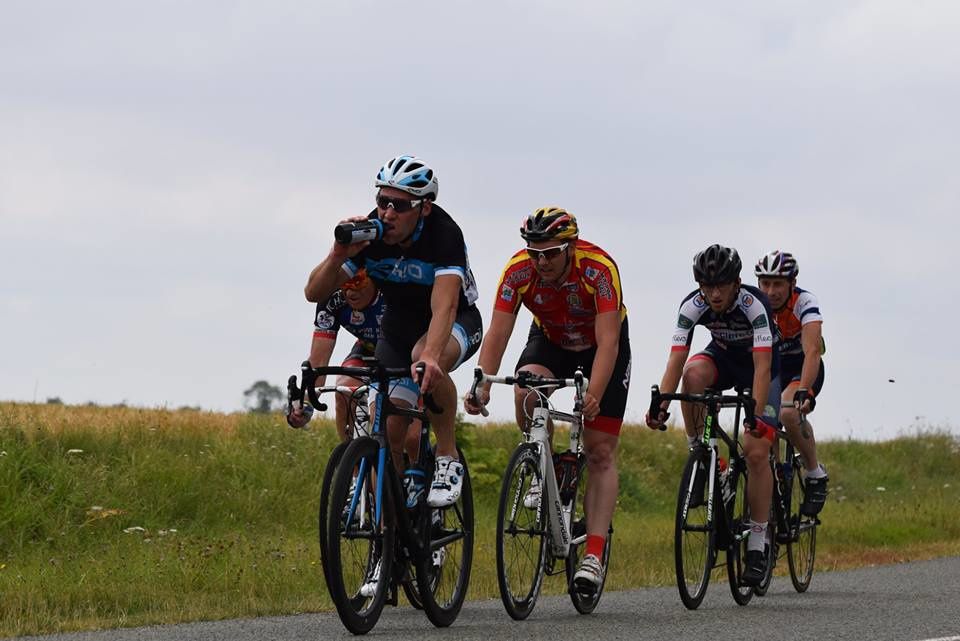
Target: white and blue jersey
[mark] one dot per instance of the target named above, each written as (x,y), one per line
(365,324)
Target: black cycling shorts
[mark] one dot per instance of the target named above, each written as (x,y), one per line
(792,373)
(735,370)
(562,363)
(467,331)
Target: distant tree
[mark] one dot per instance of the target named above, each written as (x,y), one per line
(54,400)
(262,397)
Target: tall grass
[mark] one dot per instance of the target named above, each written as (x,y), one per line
(119,516)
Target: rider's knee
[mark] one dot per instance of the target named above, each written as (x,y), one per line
(601,456)
(695,379)
(789,416)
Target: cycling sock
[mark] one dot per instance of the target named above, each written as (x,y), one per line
(758,536)
(818,473)
(595,545)
(692,440)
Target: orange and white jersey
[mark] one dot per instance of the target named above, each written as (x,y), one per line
(801,308)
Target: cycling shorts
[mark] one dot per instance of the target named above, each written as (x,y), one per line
(735,370)
(790,374)
(562,363)
(467,331)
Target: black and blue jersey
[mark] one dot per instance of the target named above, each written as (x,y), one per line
(405,275)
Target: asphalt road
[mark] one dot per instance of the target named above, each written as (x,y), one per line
(907,602)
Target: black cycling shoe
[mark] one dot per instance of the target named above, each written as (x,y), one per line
(814,496)
(755,568)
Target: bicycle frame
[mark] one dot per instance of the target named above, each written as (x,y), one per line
(558,515)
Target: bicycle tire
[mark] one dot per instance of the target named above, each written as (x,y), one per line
(332,462)
(802,545)
(694,536)
(356,547)
(584,603)
(522,539)
(443,584)
(738,516)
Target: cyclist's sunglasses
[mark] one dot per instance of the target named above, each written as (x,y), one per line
(548,252)
(400,205)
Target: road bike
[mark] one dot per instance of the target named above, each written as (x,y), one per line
(543,532)
(712,512)
(380,535)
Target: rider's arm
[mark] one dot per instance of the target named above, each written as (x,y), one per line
(607,329)
(762,359)
(674,371)
(495,341)
(321,349)
(443,306)
(325,278)
(811,338)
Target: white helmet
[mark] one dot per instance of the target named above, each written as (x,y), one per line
(777,264)
(409,174)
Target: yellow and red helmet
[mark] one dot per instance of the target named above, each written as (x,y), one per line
(549,223)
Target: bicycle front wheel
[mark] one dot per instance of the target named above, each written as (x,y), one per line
(584,603)
(360,548)
(521,535)
(443,571)
(694,536)
(802,545)
(324,510)
(738,520)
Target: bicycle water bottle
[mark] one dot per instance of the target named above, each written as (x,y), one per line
(413,485)
(370,229)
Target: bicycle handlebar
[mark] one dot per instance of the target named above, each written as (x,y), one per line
(374,373)
(529,380)
(708,398)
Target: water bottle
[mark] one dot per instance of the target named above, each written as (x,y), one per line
(413,485)
(370,229)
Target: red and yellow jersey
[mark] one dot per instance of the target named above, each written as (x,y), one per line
(565,312)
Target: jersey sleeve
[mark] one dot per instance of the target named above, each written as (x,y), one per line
(325,321)
(514,281)
(691,309)
(761,321)
(603,277)
(451,257)
(807,309)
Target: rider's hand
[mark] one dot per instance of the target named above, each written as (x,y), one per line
(299,415)
(759,427)
(803,400)
(432,374)
(658,421)
(591,406)
(475,404)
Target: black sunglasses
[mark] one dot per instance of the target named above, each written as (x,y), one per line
(401,206)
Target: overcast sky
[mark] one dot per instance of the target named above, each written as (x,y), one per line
(171,171)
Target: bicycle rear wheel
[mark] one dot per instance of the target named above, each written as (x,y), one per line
(738,520)
(443,573)
(802,545)
(694,535)
(522,544)
(584,603)
(324,510)
(360,548)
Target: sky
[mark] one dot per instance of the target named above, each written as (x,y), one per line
(170,172)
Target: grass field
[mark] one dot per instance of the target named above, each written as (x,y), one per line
(118,516)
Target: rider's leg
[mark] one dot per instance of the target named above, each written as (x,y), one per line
(524,401)
(699,373)
(344,415)
(600,499)
(801,434)
(445,396)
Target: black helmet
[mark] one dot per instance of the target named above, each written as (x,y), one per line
(716,265)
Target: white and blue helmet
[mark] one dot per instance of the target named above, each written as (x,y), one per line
(409,174)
